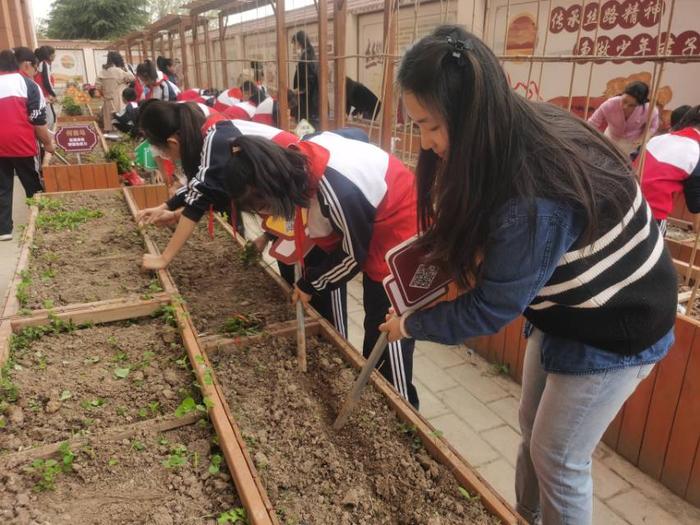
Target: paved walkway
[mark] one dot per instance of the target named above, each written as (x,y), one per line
(476,409)
(9,250)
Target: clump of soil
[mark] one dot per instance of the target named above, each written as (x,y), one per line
(95,260)
(86,380)
(217,286)
(120,482)
(374,470)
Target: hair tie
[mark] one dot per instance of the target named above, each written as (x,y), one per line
(459,47)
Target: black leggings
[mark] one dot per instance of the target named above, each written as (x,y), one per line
(27,170)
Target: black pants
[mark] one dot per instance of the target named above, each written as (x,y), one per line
(27,170)
(396,365)
(332,305)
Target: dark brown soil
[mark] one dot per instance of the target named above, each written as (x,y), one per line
(125,482)
(217,286)
(67,384)
(99,259)
(373,471)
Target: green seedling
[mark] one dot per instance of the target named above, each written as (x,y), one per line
(177,457)
(45,203)
(122,373)
(22,293)
(66,220)
(188,405)
(49,469)
(163,441)
(92,403)
(183,362)
(138,445)
(113,341)
(35,405)
(412,432)
(233,516)
(168,314)
(47,304)
(47,275)
(466,495)
(65,395)
(3,422)
(112,462)
(152,288)
(121,411)
(242,325)
(215,464)
(120,357)
(502,369)
(8,390)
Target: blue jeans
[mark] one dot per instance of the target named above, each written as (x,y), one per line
(562,419)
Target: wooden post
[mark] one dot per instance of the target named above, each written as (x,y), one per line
(323,62)
(390,8)
(161,44)
(282,81)
(144,51)
(340,16)
(207,51)
(152,41)
(222,51)
(183,53)
(195,53)
(4,4)
(129,54)
(170,44)
(19,12)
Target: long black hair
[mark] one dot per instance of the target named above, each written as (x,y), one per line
(163,64)
(160,120)
(501,147)
(301,38)
(638,90)
(43,53)
(8,61)
(24,54)
(114,58)
(255,93)
(690,118)
(261,174)
(147,70)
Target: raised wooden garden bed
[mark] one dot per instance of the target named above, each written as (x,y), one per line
(90,173)
(273,423)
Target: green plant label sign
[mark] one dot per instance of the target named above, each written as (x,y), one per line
(144,156)
(77,139)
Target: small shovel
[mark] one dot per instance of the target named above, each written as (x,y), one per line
(359,385)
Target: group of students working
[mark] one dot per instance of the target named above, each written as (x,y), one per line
(533,213)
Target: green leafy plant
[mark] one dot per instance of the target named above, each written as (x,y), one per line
(89,404)
(168,314)
(502,369)
(122,373)
(112,462)
(177,457)
(47,470)
(119,153)
(70,107)
(233,516)
(22,293)
(137,445)
(45,203)
(242,325)
(47,304)
(66,220)
(65,395)
(215,464)
(152,288)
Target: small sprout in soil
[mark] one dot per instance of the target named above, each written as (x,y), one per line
(121,411)
(242,325)
(119,153)
(120,357)
(87,422)
(47,304)
(122,373)
(183,362)
(249,255)
(65,395)
(235,516)
(8,390)
(22,293)
(45,203)
(163,441)
(113,341)
(168,314)
(152,288)
(410,430)
(177,457)
(112,462)
(66,220)
(89,404)
(215,464)
(49,274)
(47,470)
(3,422)
(35,405)
(188,405)
(500,369)
(137,445)
(466,495)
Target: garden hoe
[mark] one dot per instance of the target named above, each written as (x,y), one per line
(359,385)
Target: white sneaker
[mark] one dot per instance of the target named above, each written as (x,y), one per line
(6,237)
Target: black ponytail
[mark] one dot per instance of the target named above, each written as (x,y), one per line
(160,120)
(147,71)
(254,92)
(638,90)
(261,174)
(691,118)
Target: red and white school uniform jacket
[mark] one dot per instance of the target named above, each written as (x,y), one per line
(195,95)
(22,106)
(265,112)
(228,98)
(206,188)
(241,111)
(163,89)
(670,160)
(363,194)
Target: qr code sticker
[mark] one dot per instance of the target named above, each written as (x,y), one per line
(424,276)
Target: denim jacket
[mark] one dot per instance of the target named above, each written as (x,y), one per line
(517,264)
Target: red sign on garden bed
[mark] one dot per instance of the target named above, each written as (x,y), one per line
(77,139)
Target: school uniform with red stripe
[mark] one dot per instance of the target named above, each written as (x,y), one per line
(241,111)
(266,112)
(163,89)
(22,107)
(206,188)
(672,165)
(368,198)
(228,98)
